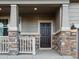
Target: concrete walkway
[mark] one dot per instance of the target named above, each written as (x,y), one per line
(40,55)
(35,57)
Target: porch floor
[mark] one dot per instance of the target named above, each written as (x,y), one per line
(42,54)
(47,53)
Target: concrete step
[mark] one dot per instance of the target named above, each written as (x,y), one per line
(34,57)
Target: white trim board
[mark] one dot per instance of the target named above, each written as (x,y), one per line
(23,33)
(35,2)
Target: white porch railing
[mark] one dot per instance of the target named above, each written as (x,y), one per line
(27,44)
(4,46)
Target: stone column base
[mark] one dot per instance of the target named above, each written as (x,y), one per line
(13,42)
(66,43)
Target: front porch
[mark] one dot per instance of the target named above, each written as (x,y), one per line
(27,31)
(62,45)
(42,54)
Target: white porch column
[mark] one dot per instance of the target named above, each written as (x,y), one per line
(65,16)
(13,30)
(14,16)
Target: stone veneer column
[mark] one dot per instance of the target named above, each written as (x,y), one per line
(66,42)
(65,16)
(13,30)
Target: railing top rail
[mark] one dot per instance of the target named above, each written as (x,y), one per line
(3,36)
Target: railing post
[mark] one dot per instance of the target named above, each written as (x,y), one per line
(76,51)
(33,45)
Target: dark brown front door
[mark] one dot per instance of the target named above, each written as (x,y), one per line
(45,35)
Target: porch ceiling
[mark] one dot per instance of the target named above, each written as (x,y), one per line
(42,9)
(77,1)
(5,10)
(29,9)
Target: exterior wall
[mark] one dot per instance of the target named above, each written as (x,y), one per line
(5,17)
(57,21)
(74,13)
(29,24)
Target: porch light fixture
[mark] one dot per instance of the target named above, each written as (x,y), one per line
(0,9)
(63,43)
(35,9)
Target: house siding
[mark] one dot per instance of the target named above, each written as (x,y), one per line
(74,13)
(57,21)
(29,24)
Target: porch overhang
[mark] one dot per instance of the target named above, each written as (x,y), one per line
(33,1)
(74,1)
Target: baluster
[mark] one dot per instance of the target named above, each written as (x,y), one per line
(30,43)
(1,45)
(8,44)
(20,44)
(25,44)
(4,44)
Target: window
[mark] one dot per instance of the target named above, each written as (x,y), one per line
(3,27)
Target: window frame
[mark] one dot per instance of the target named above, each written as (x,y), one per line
(5,27)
